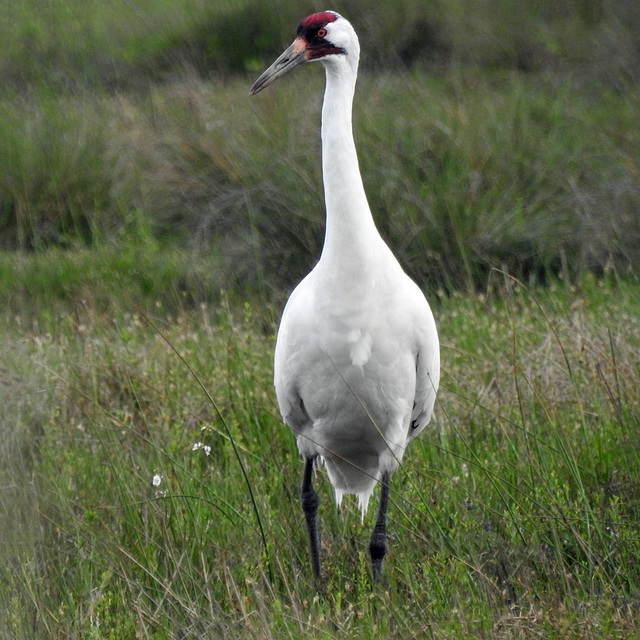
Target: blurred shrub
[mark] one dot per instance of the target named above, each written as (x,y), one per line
(511,142)
(54,177)
(516,172)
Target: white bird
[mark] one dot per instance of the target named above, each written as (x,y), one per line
(357,359)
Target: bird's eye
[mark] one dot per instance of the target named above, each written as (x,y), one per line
(322,33)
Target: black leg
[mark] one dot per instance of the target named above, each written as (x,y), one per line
(378,541)
(310,501)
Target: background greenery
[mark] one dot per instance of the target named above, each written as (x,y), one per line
(508,134)
(153,219)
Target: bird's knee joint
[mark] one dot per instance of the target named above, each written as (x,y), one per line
(377,548)
(309,500)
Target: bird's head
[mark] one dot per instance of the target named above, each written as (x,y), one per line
(319,37)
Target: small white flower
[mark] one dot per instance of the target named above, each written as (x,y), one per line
(157,479)
(200,445)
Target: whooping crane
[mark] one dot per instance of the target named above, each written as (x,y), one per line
(357,360)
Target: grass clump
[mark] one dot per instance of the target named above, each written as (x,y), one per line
(55,176)
(500,174)
(479,172)
(45,287)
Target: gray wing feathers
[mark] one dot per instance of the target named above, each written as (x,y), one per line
(427,380)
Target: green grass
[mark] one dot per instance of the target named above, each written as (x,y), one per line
(516,515)
(48,285)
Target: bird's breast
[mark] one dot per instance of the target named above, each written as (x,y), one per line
(346,350)
(356,322)
(360,343)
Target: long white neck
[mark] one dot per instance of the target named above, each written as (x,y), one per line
(351,238)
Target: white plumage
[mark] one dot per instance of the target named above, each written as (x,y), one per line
(356,365)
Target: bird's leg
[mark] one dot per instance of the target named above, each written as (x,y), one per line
(309,500)
(378,540)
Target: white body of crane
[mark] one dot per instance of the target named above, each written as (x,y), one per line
(357,362)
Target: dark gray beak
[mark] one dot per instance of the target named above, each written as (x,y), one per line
(290,58)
